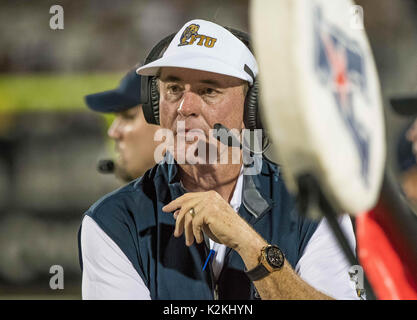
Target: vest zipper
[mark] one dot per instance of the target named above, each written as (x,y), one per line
(214,285)
(216,292)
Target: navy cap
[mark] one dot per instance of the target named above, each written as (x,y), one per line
(405,156)
(406,106)
(126,96)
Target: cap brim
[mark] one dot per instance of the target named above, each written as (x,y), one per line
(109,101)
(406,106)
(187,61)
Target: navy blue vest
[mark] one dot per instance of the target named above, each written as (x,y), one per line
(132,216)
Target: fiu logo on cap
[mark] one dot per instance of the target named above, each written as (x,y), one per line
(190,36)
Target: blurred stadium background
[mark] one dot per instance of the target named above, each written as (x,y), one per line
(50,142)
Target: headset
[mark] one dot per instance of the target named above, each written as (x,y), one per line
(150,92)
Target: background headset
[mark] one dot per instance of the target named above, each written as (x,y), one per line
(150,92)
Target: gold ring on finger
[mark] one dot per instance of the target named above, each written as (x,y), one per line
(192,212)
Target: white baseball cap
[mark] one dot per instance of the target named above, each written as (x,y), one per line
(204,45)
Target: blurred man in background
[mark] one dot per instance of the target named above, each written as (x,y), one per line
(407,148)
(132,134)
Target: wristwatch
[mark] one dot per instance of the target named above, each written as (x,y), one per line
(271,259)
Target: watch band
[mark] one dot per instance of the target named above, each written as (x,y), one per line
(257,273)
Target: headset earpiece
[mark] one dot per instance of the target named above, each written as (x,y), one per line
(251,117)
(149,86)
(155,99)
(250,114)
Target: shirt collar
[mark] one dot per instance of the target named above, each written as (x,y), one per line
(236,200)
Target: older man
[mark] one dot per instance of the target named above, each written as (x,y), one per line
(207,230)
(132,135)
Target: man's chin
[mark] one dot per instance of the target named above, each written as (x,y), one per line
(122,173)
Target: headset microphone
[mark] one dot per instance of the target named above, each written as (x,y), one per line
(105,166)
(222,132)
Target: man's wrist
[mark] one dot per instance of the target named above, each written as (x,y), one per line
(250,249)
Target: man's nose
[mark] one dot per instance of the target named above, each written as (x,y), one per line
(190,105)
(115,130)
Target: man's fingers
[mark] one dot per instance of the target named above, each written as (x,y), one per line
(176,214)
(178,203)
(198,221)
(197,229)
(173,205)
(179,225)
(188,229)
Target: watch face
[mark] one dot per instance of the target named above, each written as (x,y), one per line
(275,257)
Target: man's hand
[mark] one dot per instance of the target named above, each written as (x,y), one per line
(213,216)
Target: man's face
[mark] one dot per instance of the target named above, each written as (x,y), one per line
(200,99)
(411,135)
(134,143)
(409,177)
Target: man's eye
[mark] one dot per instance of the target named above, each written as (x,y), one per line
(129,116)
(209,91)
(173,89)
